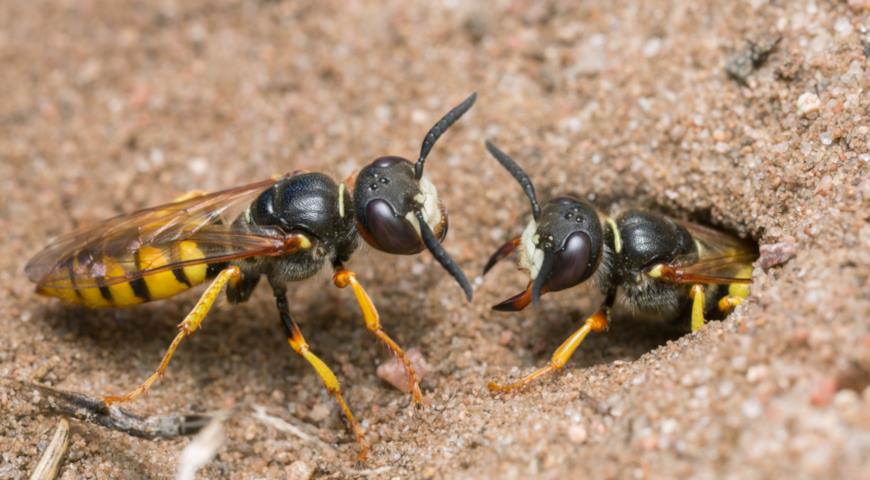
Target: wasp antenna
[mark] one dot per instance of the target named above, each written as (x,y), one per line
(525,182)
(442,256)
(438,129)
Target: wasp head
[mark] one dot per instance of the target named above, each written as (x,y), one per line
(387,197)
(397,207)
(559,248)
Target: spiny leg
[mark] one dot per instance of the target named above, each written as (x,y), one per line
(300,346)
(699,301)
(594,323)
(342,279)
(189,325)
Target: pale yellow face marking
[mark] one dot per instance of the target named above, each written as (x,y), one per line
(531,257)
(428,198)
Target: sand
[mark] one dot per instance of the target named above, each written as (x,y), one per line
(112,106)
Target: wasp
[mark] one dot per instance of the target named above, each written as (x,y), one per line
(646,264)
(282,229)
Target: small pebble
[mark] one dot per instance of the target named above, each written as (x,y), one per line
(393,371)
(299,470)
(775,254)
(319,412)
(808,103)
(505,338)
(823,392)
(751,408)
(826,139)
(577,434)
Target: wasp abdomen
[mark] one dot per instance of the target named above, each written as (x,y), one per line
(100,288)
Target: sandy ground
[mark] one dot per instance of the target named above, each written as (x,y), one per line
(110,106)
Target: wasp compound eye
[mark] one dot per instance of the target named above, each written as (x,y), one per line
(571,263)
(387,231)
(386,195)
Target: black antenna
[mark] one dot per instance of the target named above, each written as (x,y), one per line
(511,166)
(543,276)
(441,255)
(438,129)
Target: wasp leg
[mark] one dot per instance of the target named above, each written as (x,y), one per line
(595,323)
(189,325)
(698,302)
(342,279)
(729,302)
(737,292)
(300,346)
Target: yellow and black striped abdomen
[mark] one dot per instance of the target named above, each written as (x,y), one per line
(122,282)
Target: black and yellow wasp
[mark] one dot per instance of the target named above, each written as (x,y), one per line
(283,229)
(644,263)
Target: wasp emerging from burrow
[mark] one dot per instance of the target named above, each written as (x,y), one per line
(284,229)
(643,263)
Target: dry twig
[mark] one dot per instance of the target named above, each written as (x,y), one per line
(49,464)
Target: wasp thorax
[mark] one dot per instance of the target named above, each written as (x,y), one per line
(563,246)
(308,202)
(386,196)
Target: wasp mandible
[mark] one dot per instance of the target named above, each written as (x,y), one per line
(284,229)
(647,264)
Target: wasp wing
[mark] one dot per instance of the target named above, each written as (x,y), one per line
(721,258)
(111,252)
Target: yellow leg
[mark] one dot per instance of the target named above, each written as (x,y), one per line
(729,302)
(698,303)
(300,346)
(343,278)
(190,324)
(595,323)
